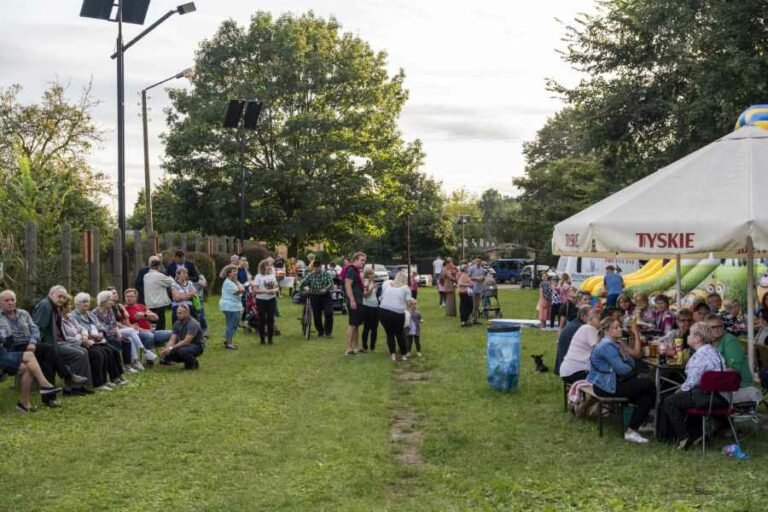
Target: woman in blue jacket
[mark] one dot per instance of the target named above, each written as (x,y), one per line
(612,374)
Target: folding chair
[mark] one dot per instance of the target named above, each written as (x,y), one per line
(716,382)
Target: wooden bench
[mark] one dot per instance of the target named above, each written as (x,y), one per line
(610,405)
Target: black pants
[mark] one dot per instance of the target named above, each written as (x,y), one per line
(123,346)
(414,293)
(414,339)
(465,307)
(442,297)
(322,306)
(370,326)
(394,326)
(186,354)
(554,314)
(112,359)
(48,359)
(675,406)
(640,392)
(266,318)
(160,312)
(574,377)
(98,361)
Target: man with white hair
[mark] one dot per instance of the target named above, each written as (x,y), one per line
(22,362)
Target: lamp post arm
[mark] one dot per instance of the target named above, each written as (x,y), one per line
(145,32)
(161,82)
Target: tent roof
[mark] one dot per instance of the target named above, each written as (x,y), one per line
(706,202)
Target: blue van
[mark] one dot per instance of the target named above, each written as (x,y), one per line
(509,269)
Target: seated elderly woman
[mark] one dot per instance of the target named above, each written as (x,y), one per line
(96,342)
(706,358)
(612,374)
(114,334)
(72,351)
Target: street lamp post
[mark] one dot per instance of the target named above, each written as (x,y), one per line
(187,73)
(463,219)
(129,12)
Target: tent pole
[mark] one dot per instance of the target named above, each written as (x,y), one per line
(751,303)
(678,286)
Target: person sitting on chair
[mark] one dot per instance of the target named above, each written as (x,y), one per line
(706,358)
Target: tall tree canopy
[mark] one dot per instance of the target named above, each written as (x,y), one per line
(327,162)
(663,78)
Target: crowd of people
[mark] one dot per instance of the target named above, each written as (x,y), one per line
(473,280)
(605,345)
(369,302)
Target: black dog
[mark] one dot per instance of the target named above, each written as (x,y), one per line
(540,366)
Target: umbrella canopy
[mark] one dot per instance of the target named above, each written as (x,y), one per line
(707,202)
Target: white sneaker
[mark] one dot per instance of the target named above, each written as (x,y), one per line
(110,385)
(130,369)
(105,387)
(138,366)
(150,355)
(418,354)
(635,437)
(123,382)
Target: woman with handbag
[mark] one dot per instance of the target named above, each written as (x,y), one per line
(612,374)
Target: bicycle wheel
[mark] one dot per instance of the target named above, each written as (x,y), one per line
(306,325)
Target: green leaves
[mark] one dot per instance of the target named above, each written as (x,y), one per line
(327,145)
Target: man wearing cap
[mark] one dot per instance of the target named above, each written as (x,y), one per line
(613,284)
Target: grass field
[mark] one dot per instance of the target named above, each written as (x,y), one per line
(297,426)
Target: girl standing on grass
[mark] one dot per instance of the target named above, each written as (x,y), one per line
(545,300)
(414,327)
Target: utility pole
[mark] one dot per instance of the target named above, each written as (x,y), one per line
(408,244)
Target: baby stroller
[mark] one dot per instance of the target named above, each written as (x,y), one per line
(339,304)
(490,298)
(251,320)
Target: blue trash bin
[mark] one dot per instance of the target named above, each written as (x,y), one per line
(503,355)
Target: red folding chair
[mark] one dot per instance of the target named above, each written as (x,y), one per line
(716,382)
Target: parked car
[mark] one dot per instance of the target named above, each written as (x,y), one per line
(509,269)
(380,272)
(526,275)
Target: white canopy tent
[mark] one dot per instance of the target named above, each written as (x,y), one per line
(707,203)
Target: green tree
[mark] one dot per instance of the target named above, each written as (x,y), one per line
(44,176)
(327,155)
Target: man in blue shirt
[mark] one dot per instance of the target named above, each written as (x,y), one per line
(613,284)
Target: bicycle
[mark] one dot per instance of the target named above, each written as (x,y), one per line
(306,318)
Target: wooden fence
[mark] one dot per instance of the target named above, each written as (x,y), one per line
(89,260)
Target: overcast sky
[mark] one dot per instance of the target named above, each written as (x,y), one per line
(475,71)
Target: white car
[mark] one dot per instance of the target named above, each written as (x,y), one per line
(380,273)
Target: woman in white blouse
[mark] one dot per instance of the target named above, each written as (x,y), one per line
(575,364)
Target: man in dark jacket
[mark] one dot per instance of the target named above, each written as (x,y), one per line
(47,318)
(180,262)
(566,335)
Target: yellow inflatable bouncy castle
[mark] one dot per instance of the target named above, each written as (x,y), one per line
(699,278)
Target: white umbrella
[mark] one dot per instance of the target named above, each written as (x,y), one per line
(705,203)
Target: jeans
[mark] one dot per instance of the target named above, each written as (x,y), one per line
(232,320)
(394,325)
(186,354)
(610,301)
(370,326)
(266,318)
(201,318)
(322,309)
